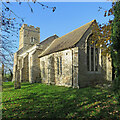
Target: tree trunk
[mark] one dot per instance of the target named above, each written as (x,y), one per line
(2,73)
(11,74)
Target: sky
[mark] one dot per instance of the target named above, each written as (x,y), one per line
(67,16)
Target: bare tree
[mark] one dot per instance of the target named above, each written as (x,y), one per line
(10,25)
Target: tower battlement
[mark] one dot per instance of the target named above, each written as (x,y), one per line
(30,27)
(29,35)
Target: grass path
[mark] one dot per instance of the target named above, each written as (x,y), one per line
(44,101)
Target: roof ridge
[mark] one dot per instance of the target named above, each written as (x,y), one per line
(47,38)
(80,27)
(77,28)
(87,29)
(65,35)
(47,47)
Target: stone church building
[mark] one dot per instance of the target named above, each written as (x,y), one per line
(64,61)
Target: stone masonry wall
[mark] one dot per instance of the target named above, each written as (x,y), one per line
(64,78)
(36,67)
(26,32)
(87,78)
(25,69)
(75,66)
(108,68)
(60,68)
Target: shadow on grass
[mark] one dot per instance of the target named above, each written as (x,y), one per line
(11,84)
(60,102)
(7,86)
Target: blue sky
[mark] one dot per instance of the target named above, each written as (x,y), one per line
(67,17)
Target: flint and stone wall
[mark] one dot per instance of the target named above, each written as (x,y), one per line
(87,78)
(65,75)
(74,67)
(27,66)
(26,32)
(63,68)
(34,69)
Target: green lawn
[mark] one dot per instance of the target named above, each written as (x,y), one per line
(48,101)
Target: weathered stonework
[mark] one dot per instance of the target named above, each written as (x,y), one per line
(74,65)
(26,62)
(68,76)
(60,61)
(26,32)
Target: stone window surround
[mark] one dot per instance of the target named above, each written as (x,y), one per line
(99,56)
(59,65)
(94,59)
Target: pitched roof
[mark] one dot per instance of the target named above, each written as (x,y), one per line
(45,43)
(68,40)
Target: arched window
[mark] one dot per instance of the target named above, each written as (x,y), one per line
(92,56)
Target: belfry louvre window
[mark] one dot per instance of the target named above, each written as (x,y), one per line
(32,39)
(92,57)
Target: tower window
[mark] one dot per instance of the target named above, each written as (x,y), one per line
(32,39)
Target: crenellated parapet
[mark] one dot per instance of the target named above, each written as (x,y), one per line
(30,27)
(29,35)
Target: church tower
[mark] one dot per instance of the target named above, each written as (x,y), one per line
(29,35)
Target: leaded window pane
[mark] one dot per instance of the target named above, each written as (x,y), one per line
(96,59)
(58,66)
(92,59)
(61,65)
(88,68)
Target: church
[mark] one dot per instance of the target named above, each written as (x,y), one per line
(69,60)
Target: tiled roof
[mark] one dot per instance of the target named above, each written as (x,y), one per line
(45,43)
(68,40)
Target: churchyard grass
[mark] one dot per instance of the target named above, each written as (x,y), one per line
(48,101)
